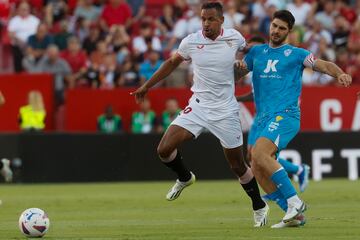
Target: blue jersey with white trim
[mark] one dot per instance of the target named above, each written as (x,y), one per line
(276,76)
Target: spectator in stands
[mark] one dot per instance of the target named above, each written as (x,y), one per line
(354,69)
(194,22)
(258,11)
(312,78)
(116,12)
(86,10)
(118,40)
(232,18)
(179,32)
(325,52)
(55,11)
(180,8)
(354,38)
(296,36)
(244,7)
(149,66)
(39,42)
(145,41)
(20,28)
(143,121)
(80,28)
(342,58)
(245,28)
(171,111)
(138,9)
(76,58)
(326,16)
(97,57)
(108,122)
(61,37)
(166,22)
(264,25)
(92,77)
(32,116)
(181,77)
(129,74)
(357,7)
(301,11)
(95,36)
(6,10)
(341,32)
(52,63)
(314,35)
(346,11)
(109,74)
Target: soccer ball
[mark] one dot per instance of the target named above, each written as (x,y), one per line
(34,222)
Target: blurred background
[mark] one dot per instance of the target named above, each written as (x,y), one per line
(74,63)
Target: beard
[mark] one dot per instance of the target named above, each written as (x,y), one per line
(277,40)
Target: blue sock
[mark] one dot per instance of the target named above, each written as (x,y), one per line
(288,166)
(283,184)
(278,198)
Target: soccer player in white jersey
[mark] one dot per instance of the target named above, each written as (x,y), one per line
(5,169)
(213,105)
(277,69)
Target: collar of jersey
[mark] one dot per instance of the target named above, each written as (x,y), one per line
(220,35)
(274,48)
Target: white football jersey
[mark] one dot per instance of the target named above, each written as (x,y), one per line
(213,64)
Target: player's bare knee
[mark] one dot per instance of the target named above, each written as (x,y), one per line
(257,158)
(164,151)
(239,170)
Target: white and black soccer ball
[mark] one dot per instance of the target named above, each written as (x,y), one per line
(34,222)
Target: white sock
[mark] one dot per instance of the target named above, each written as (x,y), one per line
(294,201)
(300,170)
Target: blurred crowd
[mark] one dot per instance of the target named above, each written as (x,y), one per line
(117,43)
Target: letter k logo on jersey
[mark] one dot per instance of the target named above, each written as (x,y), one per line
(271,66)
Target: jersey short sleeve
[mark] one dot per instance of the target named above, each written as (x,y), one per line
(309,61)
(183,49)
(242,42)
(306,57)
(249,58)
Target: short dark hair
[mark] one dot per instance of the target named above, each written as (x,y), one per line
(218,7)
(285,16)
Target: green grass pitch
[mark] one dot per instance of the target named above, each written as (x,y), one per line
(214,210)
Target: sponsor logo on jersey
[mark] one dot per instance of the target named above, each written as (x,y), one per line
(229,43)
(287,52)
(279,118)
(271,66)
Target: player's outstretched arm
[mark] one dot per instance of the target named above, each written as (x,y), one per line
(165,69)
(2,99)
(240,69)
(247,97)
(333,70)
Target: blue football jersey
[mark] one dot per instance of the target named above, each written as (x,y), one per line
(276,76)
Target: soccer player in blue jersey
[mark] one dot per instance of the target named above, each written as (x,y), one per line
(277,69)
(300,170)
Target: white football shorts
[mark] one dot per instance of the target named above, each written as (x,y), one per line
(197,119)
